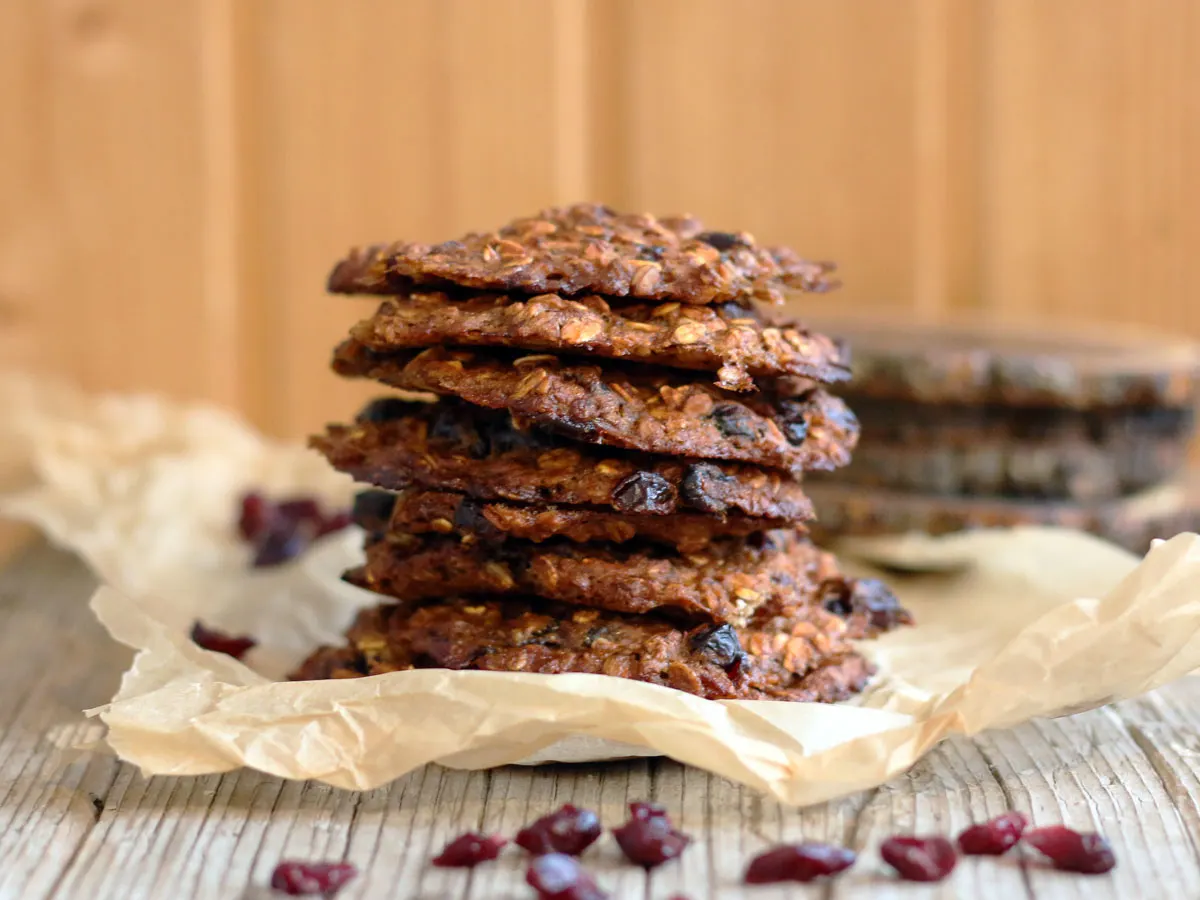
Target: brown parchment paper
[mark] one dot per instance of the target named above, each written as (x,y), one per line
(1017,624)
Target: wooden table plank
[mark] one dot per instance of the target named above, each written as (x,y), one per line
(78,824)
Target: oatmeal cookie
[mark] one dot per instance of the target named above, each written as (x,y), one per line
(974,361)
(588,248)
(808,659)
(725,582)
(1016,452)
(1131,522)
(470,520)
(736,341)
(449,445)
(636,408)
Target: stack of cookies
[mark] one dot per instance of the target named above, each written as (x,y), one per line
(969,425)
(600,468)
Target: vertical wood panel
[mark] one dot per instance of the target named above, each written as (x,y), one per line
(25,230)
(827,126)
(378,121)
(181,175)
(102,251)
(1092,133)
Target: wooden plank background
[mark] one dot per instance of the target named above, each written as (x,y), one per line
(178,177)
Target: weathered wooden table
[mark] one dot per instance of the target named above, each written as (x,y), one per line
(79,824)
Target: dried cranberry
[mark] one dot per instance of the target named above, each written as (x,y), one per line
(568,830)
(644,492)
(305,879)
(700,488)
(919,858)
(868,597)
(731,309)
(640,809)
(648,838)
(282,544)
(256,516)
(333,522)
(385,409)
(734,420)
(799,862)
(557,876)
(220,642)
(372,510)
(469,516)
(468,850)
(300,509)
(721,240)
(793,419)
(875,599)
(994,837)
(720,643)
(1071,850)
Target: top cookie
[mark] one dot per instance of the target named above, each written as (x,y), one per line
(588,248)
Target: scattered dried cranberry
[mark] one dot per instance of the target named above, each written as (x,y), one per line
(919,858)
(469,850)
(306,879)
(220,642)
(557,876)
(569,830)
(335,522)
(280,545)
(799,862)
(281,531)
(300,509)
(642,810)
(994,837)
(648,838)
(1072,851)
(256,516)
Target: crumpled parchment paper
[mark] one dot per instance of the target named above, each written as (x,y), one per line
(1014,625)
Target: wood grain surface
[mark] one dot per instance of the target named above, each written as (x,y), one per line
(77,824)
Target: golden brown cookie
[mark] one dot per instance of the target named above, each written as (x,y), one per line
(636,408)
(808,659)
(449,445)
(470,521)
(735,341)
(590,249)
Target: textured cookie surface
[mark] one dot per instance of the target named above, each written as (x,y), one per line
(587,248)
(805,656)
(733,340)
(450,445)
(636,408)
(474,521)
(726,581)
